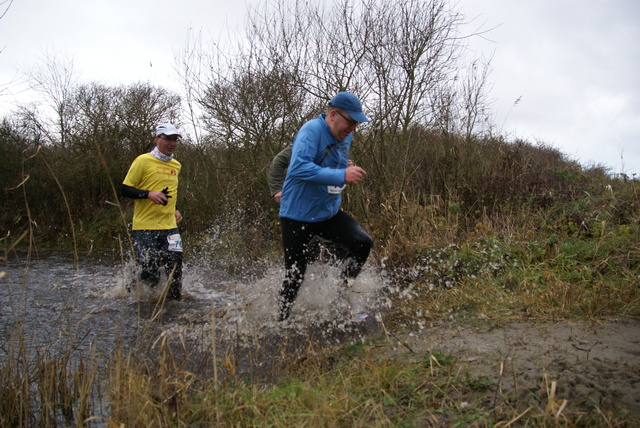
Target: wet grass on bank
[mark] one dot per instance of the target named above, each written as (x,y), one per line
(572,260)
(487,278)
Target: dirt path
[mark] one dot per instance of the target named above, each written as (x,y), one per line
(593,363)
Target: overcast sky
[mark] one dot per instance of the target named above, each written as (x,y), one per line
(574,64)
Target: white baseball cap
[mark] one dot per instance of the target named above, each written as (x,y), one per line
(167,129)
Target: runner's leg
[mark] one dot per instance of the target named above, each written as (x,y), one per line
(295,239)
(343,230)
(147,252)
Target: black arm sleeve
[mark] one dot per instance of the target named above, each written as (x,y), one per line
(133,193)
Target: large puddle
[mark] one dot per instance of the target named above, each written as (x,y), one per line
(50,306)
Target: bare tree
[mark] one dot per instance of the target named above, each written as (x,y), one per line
(476,106)
(56,81)
(189,65)
(461,107)
(403,58)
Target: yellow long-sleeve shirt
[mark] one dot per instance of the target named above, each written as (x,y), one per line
(152,174)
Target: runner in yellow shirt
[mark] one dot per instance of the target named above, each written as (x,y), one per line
(152,181)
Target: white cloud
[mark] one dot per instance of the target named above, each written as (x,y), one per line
(575,65)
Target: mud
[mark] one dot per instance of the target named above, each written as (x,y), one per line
(594,364)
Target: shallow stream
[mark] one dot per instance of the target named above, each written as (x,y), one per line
(48,305)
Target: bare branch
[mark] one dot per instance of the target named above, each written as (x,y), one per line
(6,4)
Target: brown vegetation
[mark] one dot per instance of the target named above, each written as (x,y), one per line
(465,221)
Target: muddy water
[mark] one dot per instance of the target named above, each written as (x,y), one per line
(49,306)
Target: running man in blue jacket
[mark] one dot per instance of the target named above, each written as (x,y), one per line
(318,172)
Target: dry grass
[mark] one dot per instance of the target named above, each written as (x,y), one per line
(155,384)
(452,253)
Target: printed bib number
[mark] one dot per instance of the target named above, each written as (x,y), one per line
(335,190)
(175,242)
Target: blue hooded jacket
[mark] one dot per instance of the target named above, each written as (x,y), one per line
(315,177)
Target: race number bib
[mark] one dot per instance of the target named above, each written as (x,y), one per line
(175,242)
(335,190)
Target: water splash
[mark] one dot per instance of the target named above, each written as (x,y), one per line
(94,302)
